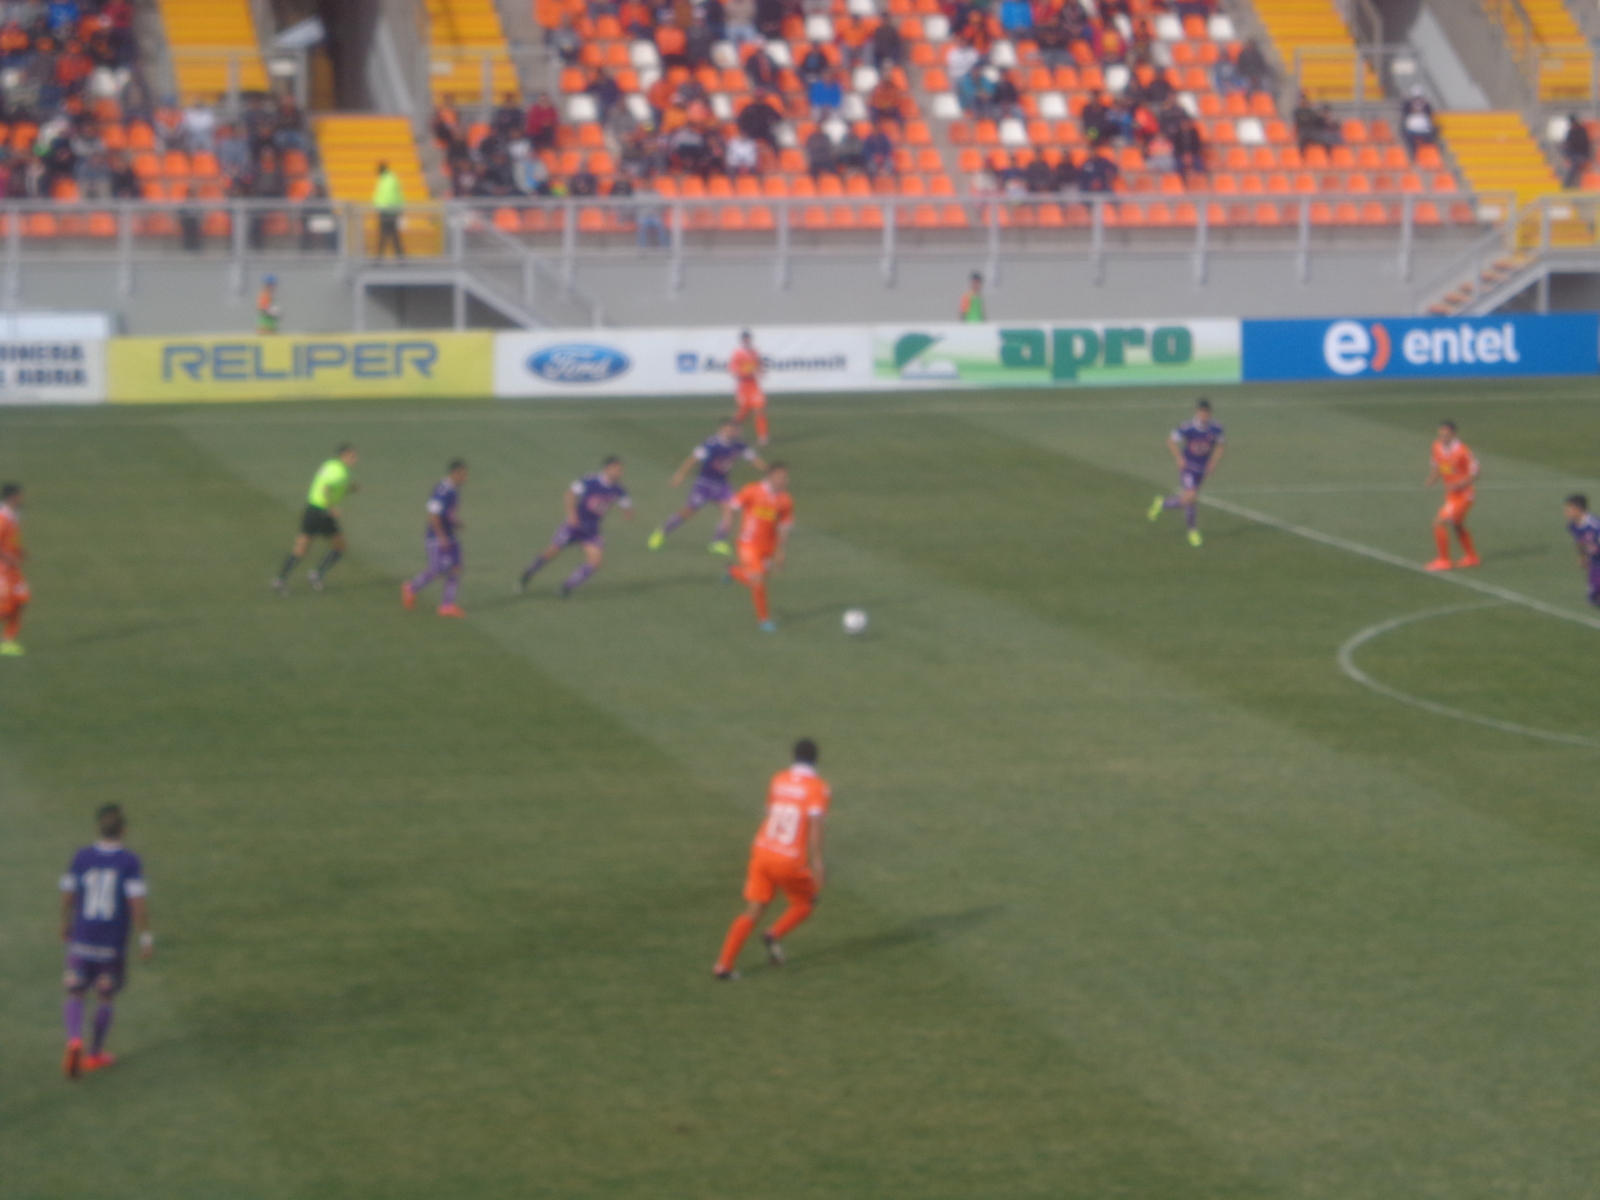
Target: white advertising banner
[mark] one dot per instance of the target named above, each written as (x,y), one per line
(679,362)
(52,370)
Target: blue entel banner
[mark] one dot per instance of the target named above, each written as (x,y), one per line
(1422,347)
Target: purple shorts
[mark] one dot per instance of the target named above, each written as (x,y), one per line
(1190,479)
(569,535)
(709,491)
(90,971)
(443,556)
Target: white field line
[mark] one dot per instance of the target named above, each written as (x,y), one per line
(1291,489)
(1346,660)
(1394,560)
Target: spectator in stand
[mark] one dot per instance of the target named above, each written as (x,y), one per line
(698,43)
(290,131)
(233,152)
(1188,151)
(584,182)
(606,92)
(1054,40)
(960,60)
(715,15)
(742,22)
(877,153)
(62,17)
(672,44)
(389,198)
(124,181)
(742,156)
(854,38)
(542,122)
(824,94)
(1314,126)
(759,120)
(888,47)
(819,154)
(1098,174)
(1578,150)
(506,120)
(1096,120)
(1066,175)
(769,18)
(761,70)
(1195,8)
(815,65)
(1252,69)
(636,19)
(1007,101)
(447,131)
(1416,122)
(60,165)
(73,68)
(1038,177)
(532,174)
(564,40)
(1016,17)
(850,152)
(887,101)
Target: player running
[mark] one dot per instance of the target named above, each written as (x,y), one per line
(443,544)
(321,519)
(1197,447)
(716,457)
(787,856)
(768,515)
(588,500)
(1585,529)
(102,894)
(14,592)
(1455,467)
(744,364)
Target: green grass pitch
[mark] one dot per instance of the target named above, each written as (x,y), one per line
(1133,893)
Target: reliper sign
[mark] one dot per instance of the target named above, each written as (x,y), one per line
(1424,348)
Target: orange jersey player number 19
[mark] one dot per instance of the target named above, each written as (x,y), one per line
(744,364)
(786,857)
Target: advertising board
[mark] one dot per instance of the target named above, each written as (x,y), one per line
(52,370)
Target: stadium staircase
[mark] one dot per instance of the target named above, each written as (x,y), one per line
(196,30)
(1313,30)
(352,145)
(468,37)
(1553,43)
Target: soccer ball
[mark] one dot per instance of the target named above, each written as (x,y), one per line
(855,620)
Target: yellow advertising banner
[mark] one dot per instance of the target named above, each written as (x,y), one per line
(375,366)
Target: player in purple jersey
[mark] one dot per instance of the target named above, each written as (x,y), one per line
(1585,529)
(102,895)
(716,457)
(588,501)
(1197,447)
(443,543)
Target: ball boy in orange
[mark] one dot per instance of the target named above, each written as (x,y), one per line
(786,857)
(13,584)
(744,364)
(1456,468)
(767,513)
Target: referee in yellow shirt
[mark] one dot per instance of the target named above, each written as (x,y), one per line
(321,519)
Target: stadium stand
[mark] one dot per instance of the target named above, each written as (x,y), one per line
(1314,33)
(1563,56)
(204,35)
(352,145)
(1497,152)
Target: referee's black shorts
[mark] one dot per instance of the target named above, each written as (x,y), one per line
(318,522)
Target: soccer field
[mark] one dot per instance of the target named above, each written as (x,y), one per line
(1134,892)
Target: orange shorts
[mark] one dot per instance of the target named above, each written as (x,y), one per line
(756,556)
(771,873)
(750,397)
(1456,506)
(13,592)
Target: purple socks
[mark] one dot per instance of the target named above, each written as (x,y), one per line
(102,1026)
(451,583)
(1189,515)
(578,577)
(671,523)
(722,528)
(72,1016)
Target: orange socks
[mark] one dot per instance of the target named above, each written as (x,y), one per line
(791,919)
(758,593)
(1441,537)
(761,424)
(731,945)
(1466,541)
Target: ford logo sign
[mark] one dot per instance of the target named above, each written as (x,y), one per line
(578,362)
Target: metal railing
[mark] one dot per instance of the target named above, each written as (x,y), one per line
(479,76)
(1521,41)
(224,75)
(1365,77)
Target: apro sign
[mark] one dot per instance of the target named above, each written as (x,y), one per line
(579,363)
(1421,348)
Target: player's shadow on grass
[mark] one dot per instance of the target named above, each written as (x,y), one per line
(605,589)
(835,610)
(1512,553)
(922,929)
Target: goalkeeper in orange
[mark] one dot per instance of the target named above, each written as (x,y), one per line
(744,364)
(787,857)
(766,515)
(1455,467)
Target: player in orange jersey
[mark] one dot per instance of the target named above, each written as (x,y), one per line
(744,364)
(766,513)
(787,857)
(13,585)
(1456,468)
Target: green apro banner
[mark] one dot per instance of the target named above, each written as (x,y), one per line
(1070,354)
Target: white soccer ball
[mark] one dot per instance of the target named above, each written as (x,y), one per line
(855,620)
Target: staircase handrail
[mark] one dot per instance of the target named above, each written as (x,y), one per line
(1522,40)
(533,266)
